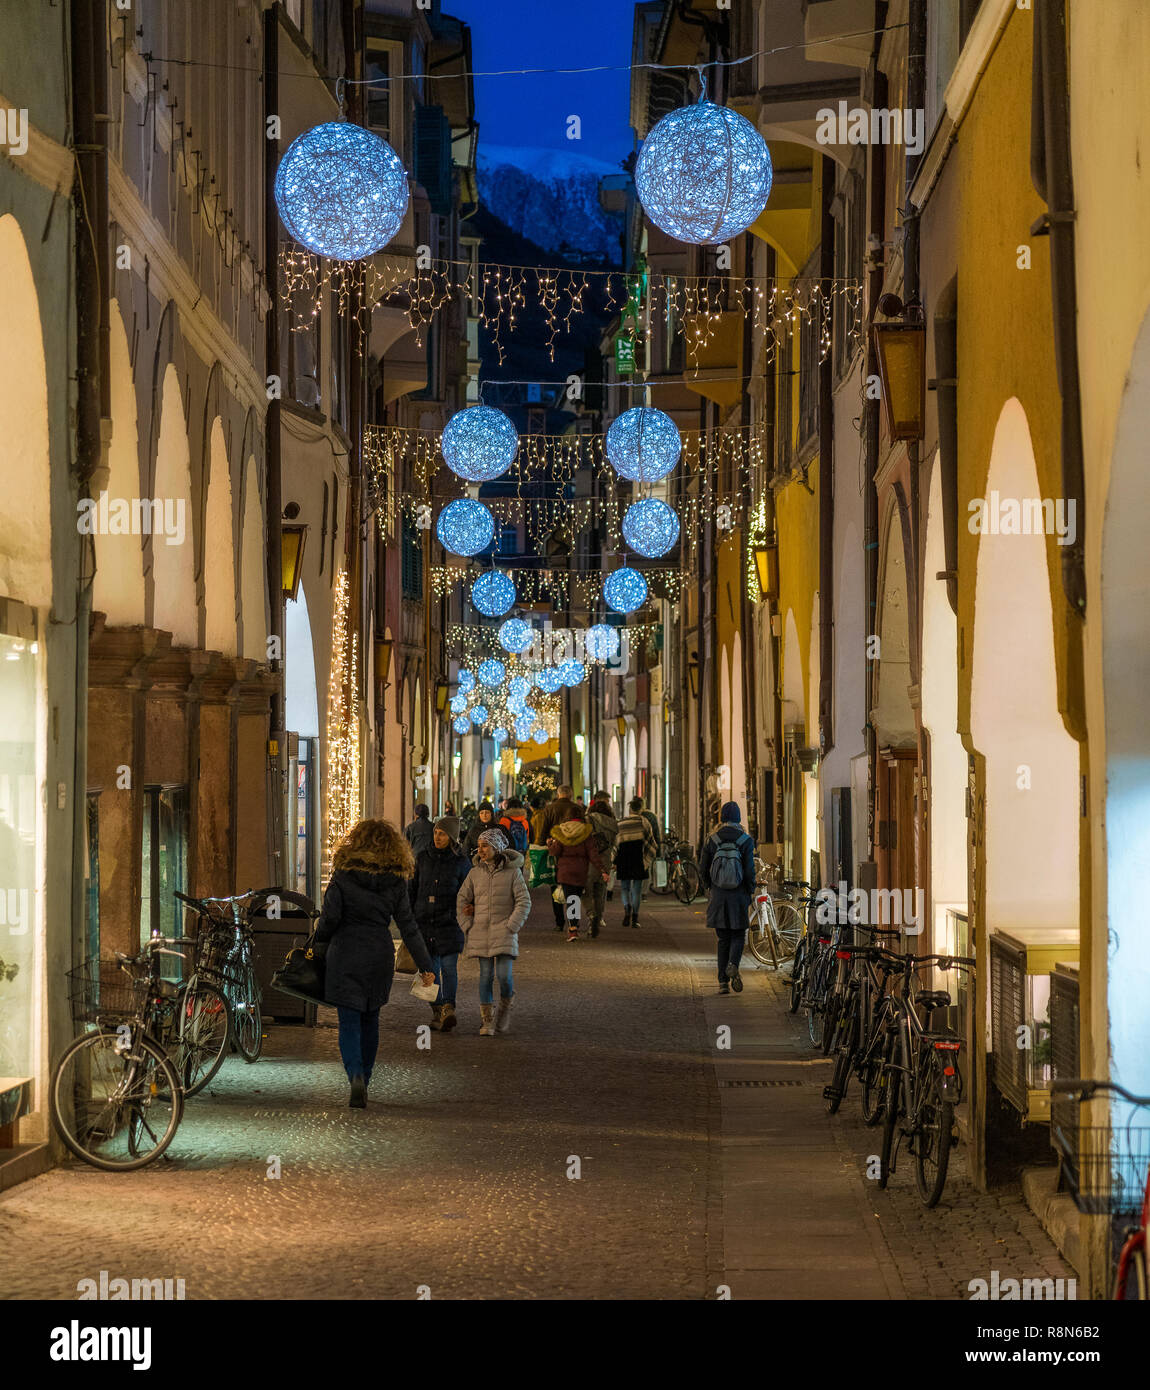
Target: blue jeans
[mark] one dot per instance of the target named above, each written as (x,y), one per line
(631,891)
(358,1041)
(489,967)
(446,970)
(730,950)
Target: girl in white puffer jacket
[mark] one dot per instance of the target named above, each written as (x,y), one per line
(493,904)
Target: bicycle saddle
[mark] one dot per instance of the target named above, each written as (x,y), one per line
(932,999)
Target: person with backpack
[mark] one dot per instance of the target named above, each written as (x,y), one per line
(605,831)
(728,870)
(515,825)
(576,858)
(439,872)
(635,852)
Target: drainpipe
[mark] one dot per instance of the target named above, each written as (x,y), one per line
(826,479)
(916,100)
(1052,176)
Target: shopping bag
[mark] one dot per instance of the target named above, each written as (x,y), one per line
(428,993)
(558,894)
(540,865)
(659,873)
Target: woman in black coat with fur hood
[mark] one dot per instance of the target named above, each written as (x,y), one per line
(368,888)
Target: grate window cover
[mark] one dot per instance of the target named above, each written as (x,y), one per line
(760,1083)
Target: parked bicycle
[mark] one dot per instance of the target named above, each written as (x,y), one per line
(775,925)
(117,1095)
(1107,1169)
(224,958)
(682,873)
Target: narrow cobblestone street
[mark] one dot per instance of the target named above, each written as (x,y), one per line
(694,1174)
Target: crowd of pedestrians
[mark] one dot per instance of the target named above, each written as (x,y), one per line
(457,886)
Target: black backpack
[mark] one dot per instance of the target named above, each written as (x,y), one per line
(727,862)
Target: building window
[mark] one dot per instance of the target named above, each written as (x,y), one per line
(412,579)
(164,861)
(378,92)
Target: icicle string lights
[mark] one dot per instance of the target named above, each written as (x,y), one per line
(342,727)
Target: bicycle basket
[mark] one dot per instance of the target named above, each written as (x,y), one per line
(100,991)
(1104,1166)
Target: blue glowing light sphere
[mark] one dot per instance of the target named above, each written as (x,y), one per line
(479,443)
(479,714)
(493,594)
(465,527)
(704,174)
(541,735)
(516,704)
(523,728)
(499,735)
(572,672)
(549,680)
(643,444)
(602,642)
(341,191)
(466,682)
(529,713)
(625,590)
(491,673)
(459,704)
(515,635)
(461,724)
(517,688)
(650,527)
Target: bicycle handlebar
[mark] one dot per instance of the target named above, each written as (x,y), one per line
(1088,1088)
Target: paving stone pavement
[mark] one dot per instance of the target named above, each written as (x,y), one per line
(456,1176)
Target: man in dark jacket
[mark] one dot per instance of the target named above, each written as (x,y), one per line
(418,833)
(728,870)
(439,873)
(556,812)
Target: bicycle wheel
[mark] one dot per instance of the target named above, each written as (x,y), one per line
(834,1008)
(203,1035)
(798,974)
(893,1082)
(1130,1284)
(873,1084)
(117,1107)
(688,884)
(932,1143)
(844,1050)
(760,939)
(246,1020)
(790,925)
(815,1024)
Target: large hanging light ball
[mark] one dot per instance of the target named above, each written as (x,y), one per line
(479,714)
(493,594)
(625,590)
(341,191)
(479,443)
(466,681)
(650,527)
(549,680)
(461,724)
(704,174)
(572,673)
(465,527)
(643,444)
(459,704)
(602,642)
(491,673)
(515,635)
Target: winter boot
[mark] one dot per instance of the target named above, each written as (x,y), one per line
(503,1015)
(449,1019)
(627,915)
(358,1097)
(635,920)
(437,1017)
(596,923)
(486,1026)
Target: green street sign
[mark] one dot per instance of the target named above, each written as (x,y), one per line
(624,355)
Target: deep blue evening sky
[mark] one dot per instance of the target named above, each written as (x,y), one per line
(550,34)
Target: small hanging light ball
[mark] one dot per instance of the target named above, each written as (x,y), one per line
(541,735)
(465,527)
(479,443)
(625,590)
(704,174)
(650,527)
(459,704)
(493,594)
(516,704)
(602,642)
(523,728)
(515,635)
(549,680)
(341,191)
(499,735)
(466,681)
(572,673)
(479,714)
(529,713)
(643,444)
(491,673)
(517,688)
(461,724)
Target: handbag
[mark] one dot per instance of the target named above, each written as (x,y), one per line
(404,961)
(302,973)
